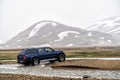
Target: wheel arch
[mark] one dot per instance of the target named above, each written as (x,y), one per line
(32,60)
(59,58)
(35,57)
(60,53)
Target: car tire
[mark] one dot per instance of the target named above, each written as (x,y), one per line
(61,57)
(35,61)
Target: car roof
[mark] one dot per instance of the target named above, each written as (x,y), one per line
(37,48)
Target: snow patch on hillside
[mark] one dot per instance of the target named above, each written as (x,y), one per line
(64,34)
(19,46)
(36,29)
(118,18)
(50,42)
(76,36)
(109,41)
(54,24)
(47,34)
(114,30)
(43,45)
(18,40)
(6,46)
(71,44)
(107,26)
(89,34)
(102,38)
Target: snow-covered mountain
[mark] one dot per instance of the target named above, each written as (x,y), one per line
(54,34)
(109,25)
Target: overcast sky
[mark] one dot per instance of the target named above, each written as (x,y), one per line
(17,15)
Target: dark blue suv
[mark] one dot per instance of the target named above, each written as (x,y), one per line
(35,55)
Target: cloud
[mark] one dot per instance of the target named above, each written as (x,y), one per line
(17,15)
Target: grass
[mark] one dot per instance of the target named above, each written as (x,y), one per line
(82,54)
(8,55)
(94,54)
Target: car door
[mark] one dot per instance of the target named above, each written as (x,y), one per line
(42,53)
(50,53)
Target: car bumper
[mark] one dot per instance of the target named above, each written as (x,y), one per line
(23,62)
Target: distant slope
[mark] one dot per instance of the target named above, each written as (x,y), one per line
(109,25)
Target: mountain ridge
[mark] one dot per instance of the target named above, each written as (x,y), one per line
(54,34)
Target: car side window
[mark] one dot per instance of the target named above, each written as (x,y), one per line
(41,50)
(31,51)
(48,50)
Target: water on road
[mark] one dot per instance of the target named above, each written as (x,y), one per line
(45,70)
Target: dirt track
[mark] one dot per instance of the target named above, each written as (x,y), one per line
(89,64)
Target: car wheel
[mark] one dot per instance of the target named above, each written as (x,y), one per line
(61,57)
(35,61)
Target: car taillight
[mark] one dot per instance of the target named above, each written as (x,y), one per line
(24,57)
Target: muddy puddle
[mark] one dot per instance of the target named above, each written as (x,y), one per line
(45,70)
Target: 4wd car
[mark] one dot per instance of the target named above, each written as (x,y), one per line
(35,55)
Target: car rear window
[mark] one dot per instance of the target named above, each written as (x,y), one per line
(22,51)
